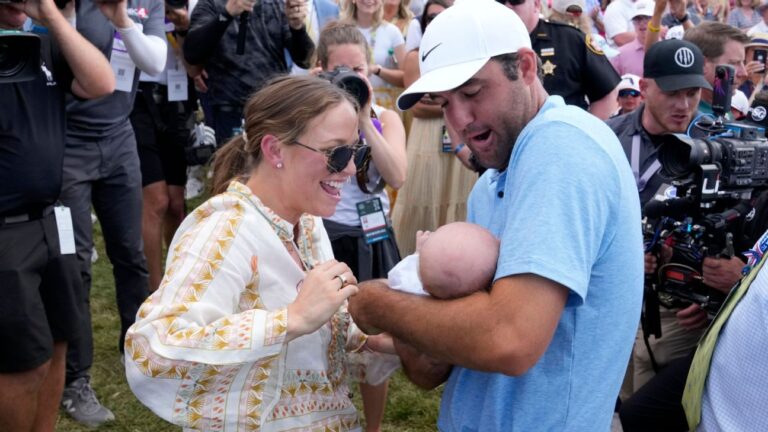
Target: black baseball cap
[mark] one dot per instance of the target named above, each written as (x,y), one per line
(675,64)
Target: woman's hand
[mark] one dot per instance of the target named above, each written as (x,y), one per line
(320,296)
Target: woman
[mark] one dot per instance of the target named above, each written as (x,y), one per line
(248,329)
(745,15)
(387,47)
(424,203)
(398,13)
(342,45)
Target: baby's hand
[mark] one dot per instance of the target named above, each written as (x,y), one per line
(421,238)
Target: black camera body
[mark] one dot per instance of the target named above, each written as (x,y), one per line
(715,178)
(350,81)
(19,56)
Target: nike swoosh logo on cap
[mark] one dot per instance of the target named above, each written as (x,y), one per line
(424,56)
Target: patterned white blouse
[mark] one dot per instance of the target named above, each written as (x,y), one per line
(208,349)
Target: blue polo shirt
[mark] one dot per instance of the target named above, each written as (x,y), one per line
(565,209)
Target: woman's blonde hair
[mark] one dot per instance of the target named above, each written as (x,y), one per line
(339,33)
(283,108)
(348,12)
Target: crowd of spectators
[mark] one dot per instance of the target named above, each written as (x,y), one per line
(108,120)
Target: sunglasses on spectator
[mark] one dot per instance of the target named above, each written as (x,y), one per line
(512,2)
(629,92)
(337,158)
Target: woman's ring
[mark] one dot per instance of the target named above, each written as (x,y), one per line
(343,281)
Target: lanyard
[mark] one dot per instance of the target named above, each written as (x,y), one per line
(641,181)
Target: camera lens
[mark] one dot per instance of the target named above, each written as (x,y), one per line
(10,62)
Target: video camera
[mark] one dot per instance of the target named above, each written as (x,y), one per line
(714,179)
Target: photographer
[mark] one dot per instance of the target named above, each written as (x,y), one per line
(40,311)
(212,43)
(101,171)
(720,44)
(671,94)
(369,254)
(657,405)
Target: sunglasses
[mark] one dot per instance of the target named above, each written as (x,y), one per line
(337,158)
(629,92)
(574,10)
(511,2)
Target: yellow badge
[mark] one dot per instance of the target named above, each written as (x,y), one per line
(592,46)
(548,67)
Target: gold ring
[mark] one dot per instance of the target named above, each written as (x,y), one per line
(343,281)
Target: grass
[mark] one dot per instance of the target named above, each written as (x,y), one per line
(409,409)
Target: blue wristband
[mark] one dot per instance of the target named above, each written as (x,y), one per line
(458,148)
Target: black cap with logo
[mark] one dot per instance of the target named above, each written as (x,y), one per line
(675,64)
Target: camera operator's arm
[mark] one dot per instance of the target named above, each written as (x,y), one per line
(298,42)
(148,51)
(722,273)
(208,24)
(93,76)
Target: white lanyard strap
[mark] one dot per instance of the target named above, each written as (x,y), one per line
(641,181)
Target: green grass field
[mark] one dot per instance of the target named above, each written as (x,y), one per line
(409,409)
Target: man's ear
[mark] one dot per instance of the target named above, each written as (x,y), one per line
(528,66)
(271,151)
(643,83)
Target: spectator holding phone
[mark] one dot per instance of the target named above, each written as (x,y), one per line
(757,52)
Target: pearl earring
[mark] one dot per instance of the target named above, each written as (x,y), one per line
(279,165)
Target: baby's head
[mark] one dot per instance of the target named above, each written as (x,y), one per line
(458,259)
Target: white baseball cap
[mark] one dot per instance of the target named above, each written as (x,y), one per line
(643,8)
(460,41)
(629,82)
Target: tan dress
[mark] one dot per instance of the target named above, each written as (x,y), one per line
(436,188)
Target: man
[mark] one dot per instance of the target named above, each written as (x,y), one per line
(212,43)
(573,67)
(758,41)
(543,349)
(671,89)
(40,310)
(629,96)
(101,172)
(630,58)
(720,44)
(618,22)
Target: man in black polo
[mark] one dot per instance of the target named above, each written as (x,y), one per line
(573,66)
(271,27)
(671,86)
(40,307)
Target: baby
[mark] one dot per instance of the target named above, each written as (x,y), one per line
(454,261)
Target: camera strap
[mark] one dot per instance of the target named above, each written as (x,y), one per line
(641,181)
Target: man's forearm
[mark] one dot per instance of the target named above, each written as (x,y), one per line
(91,70)
(504,331)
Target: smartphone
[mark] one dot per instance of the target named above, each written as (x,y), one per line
(759,55)
(722,89)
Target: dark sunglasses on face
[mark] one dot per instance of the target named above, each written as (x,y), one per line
(512,2)
(629,92)
(337,158)
(574,10)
